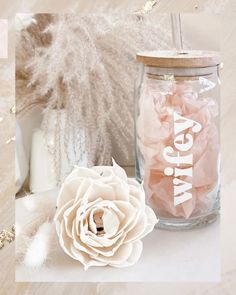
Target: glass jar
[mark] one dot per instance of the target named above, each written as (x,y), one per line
(177,136)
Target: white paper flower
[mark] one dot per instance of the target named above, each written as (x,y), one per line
(101,217)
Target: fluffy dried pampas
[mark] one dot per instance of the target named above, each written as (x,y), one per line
(86,65)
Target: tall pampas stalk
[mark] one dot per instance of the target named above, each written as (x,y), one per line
(88,67)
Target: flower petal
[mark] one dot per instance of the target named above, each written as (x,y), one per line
(82,189)
(129,212)
(120,256)
(138,229)
(59,214)
(134,256)
(111,222)
(68,191)
(82,172)
(109,251)
(118,171)
(99,190)
(121,189)
(80,246)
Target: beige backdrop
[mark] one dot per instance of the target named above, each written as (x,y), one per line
(227,32)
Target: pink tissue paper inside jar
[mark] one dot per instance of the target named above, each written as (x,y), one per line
(160,102)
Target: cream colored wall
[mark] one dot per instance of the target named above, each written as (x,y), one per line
(227,32)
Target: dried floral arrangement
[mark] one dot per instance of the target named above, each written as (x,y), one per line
(86,65)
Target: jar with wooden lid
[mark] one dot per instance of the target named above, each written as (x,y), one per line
(177,135)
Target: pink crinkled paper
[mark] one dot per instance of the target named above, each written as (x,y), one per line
(155,131)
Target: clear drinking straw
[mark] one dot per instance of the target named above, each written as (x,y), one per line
(177,32)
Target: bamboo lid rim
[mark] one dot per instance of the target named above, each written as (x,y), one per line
(184,59)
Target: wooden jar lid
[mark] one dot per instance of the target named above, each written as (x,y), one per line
(173,59)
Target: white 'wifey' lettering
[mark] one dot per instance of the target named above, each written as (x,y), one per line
(183,142)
